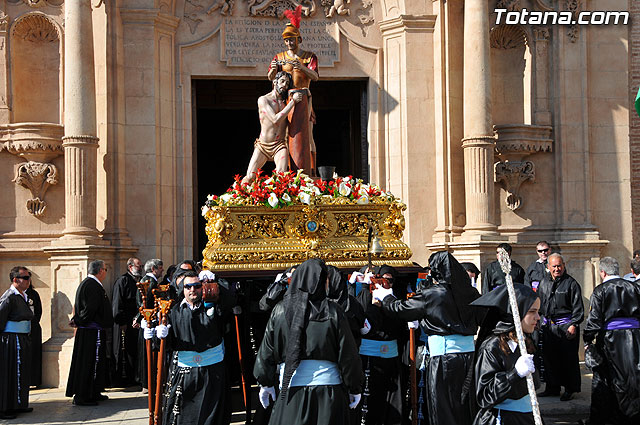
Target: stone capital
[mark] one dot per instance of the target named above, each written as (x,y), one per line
(407,24)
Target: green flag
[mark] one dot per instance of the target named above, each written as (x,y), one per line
(638,102)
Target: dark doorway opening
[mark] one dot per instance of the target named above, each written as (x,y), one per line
(226,123)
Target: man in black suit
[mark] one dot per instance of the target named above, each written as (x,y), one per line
(93,316)
(494,276)
(125,336)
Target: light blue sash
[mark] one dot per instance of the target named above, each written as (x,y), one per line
(448,344)
(206,358)
(384,349)
(22,327)
(313,372)
(520,405)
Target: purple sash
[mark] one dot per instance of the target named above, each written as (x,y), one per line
(559,321)
(623,323)
(92,325)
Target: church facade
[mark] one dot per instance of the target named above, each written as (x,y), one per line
(118,117)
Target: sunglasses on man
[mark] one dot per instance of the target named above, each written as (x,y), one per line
(543,250)
(193,285)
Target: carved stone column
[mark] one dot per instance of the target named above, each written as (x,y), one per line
(478,141)
(80,142)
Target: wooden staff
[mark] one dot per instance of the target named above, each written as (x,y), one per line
(244,385)
(164,306)
(147,314)
(505,265)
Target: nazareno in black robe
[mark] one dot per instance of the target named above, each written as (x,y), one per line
(339,293)
(36,336)
(125,309)
(88,375)
(319,331)
(197,395)
(615,395)
(561,298)
(15,354)
(442,309)
(495,376)
(382,399)
(493,276)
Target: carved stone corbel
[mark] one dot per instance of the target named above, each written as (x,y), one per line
(276,8)
(512,174)
(37,177)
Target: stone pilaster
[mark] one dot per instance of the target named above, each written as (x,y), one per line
(478,141)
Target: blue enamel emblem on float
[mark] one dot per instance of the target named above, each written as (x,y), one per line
(312,226)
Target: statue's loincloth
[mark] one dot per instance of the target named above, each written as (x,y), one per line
(270,149)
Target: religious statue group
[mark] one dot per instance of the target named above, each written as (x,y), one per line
(286,112)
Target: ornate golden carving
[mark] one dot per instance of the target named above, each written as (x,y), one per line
(259,237)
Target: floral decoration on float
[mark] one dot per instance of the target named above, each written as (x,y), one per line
(286,218)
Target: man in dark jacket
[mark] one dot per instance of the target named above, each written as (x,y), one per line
(538,269)
(613,331)
(563,311)
(125,336)
(88,372)
(494,276)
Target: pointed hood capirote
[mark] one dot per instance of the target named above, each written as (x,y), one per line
(500,318)
(445,269)
(305,300)
(338,288)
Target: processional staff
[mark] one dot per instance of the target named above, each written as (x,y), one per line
(505,265)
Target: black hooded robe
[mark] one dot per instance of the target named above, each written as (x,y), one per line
(339,293)
(125,309)
(496,381)
(15,354)
(561,298)
(88,375)
(382,400)
(495,374)
(615,392)
(36,337)
(442,309)
(318,332)
(197,395)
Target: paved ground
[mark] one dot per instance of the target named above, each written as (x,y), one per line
(129,407)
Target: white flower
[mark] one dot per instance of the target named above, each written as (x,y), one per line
(363,191)
(316,190)
(273,200)
(335,175)
(346,179)
(343,189)
(205,210)
(269,180)
(364,199)
(209,197)
(304,197)
(286,197)
(226,197)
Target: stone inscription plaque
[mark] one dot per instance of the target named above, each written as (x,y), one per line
(253,42)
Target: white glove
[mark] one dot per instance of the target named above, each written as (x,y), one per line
(366,328)
(379,293)
(266,394)
(367,277)
(162,331)
(354,399)
(413,325)
(143,324)
(354,277)
(525,366)
(148,332)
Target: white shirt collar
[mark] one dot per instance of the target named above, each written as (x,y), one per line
(15,291)
(152,276)
(513,345)
(96,279)
(191,307)
(615,276)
